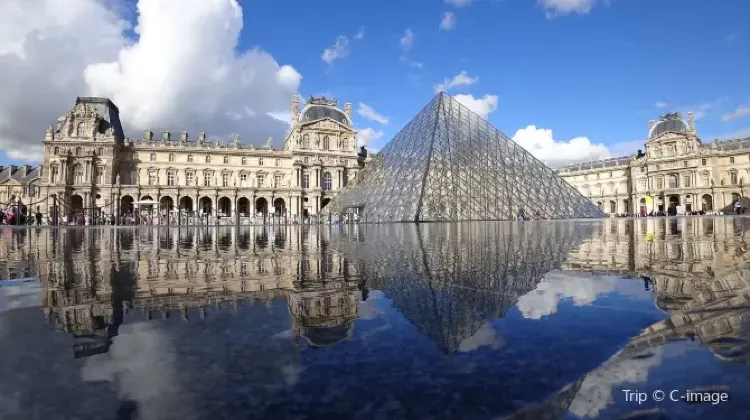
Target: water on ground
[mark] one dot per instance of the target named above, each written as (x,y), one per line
(563,319)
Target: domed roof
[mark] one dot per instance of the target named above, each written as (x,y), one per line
(324,336)
(669,122)
(319,108)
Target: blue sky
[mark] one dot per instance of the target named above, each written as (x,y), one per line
(600,72)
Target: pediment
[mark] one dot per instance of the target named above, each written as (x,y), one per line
(326,124)
(10,181)
(667,137)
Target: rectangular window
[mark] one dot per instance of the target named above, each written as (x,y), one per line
(686,181)
(134,178)
(704,180)
(659,183)
(53,174)
(684,164)
(151,177)
(673,182)
(261,178)
(731,159)
(99,175)
(278,162)
(189,178)
(170,178)
(733,178)
(243,180)
(207,180)
(703,162)
(306,180)
(224,180)
(277,181)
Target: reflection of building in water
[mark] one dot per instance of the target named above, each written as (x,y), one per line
(450,279)
(94,276)
(697,268)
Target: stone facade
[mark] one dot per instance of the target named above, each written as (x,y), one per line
(89,164)
(677,171)
(20,182)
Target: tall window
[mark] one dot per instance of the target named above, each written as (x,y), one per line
(278,162)
(686,181)
(208,159)
(152,157)
(79,151)
(731,159)
(78,174)
(703,162)
(659,183)
(704,180)
(99,175)
(343,144)
(100,151)
(170,178)
(189,178)
(243,180)
(57,150)
(345,180)
(277,181)
(327,181)
(672,180)
(226,160)
(244,161)
(224,180)
(306,141)
(134,178)
(261,178)
(54,174)
(80,129)
(733,177)
(326,143)
(260,162)
(305,180)
(190,158)
(306,160)
(206,179)
(151,177)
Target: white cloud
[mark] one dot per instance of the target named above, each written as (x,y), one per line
(360,34)
(486,336)
(482,106)
(407,40)
(742,111)
(564,7)
(556,286)
(661,105)
(540,143)
(168,78)
(448,21)
(339,49)
(458,3)
(369,113)
(367,136)
(461,79)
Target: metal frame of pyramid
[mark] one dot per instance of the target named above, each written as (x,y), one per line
(449,164)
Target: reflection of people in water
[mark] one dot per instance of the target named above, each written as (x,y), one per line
(646,281)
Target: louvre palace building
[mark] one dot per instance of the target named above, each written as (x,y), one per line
(90,164)
(678,172)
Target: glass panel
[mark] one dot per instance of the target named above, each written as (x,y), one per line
(447,163)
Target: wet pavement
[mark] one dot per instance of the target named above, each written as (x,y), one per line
(564,319)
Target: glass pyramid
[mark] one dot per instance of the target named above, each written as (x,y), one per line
(449,164)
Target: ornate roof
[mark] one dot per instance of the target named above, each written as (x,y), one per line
(671,122)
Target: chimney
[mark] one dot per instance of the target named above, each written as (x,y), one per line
(165,136)
(183,136)
(202,136)
(691,121)
(295,107)
(348,109)
(149,135)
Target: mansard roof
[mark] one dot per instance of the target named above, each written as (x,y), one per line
(23,174)
(597,164)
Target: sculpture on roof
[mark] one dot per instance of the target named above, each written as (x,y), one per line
(670,116)
(269,141)
(322,101)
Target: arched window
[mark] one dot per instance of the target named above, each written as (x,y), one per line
(226,160)
(171,157)
(57,150)
(80,129)
(244,161)
(208,159)
(672,181)
(327,181)
(78,151)
(260,162)
(100,152)
(326,143)
(306,141)
(152,157)
(78,174)
(190,158)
